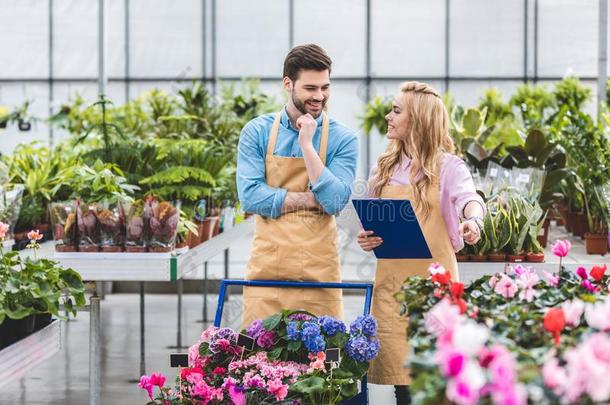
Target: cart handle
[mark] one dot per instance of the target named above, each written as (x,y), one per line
(368,287)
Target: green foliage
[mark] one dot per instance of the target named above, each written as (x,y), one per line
(497,109)
(374,116)
(534,103)
(570,94)
(37,286)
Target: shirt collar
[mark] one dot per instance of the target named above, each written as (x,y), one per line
(404,162)
(285,121)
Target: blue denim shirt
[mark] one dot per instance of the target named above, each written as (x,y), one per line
(333,188)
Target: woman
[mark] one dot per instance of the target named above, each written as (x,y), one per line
(418,165)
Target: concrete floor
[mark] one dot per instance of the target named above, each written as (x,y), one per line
(63,379)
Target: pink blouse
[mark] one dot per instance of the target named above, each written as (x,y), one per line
(456,191)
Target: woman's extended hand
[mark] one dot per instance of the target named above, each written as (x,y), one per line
(470,231)
(368,242)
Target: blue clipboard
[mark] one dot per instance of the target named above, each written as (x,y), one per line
(395,222)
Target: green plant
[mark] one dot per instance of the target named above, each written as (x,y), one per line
(525,218)
(468,127)
(497,109)
(498,226)
(569,93)
(534,103)
(37,286)
(374,115)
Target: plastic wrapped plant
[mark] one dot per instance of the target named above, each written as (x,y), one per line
(10,205)
(63,221)
(135,236)
(88,229)
(111,219)
(163,225)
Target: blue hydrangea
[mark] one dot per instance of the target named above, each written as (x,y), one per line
(315,344)
(331,326)
(362,349)
(364,324)
(311,337)
(292,330)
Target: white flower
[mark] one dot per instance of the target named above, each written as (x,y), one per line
(469,337)
(573,311)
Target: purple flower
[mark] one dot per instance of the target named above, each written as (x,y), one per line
(226,333)
(266,339)
(331,326)
(364,324)
(300,317)
(362,349)
(254,329)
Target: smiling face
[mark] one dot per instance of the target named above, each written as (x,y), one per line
(397,118)
(310,91)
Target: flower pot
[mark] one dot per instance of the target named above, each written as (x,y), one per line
(216,227)
(583,225)
(535,257)
(596,243)
(43,228)
(516,258)
(462,258)
(13,330)
(160,249)
(135,249)
(496,257)
(42,320)
(192,240)
(88,248)
(65,248)
(478,258)
(570,220)
(206,228)
(112,249)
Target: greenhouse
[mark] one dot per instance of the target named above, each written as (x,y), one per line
(304,202)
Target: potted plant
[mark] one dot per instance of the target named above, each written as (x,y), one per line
(481,248)
(135,240)
(10,204)
(498,229)
(163,225)
(463,255)
(596,239)
(185,228)
(63,223)
(524,215)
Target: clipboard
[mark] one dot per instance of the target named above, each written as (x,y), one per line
(395,222)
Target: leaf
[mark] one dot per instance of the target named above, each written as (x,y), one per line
(294,345)
(535,142)
(472,122)
(275,353)
(310,385)
(272,321)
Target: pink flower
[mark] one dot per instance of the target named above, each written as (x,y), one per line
(461,392)
(506,287)
(582,273)
(573,311)
(552,279)
(277,388)
(3,230)
(146,385)
(554,376)
(157,379)
(527,281)
(207,334)
(266,339)
(34,235)
(588,285)
(493,281)
(520,269)
(316,361)
(193,353)
(561,248)
(598,315)
(451,362)
(237,395)
(510,395)
(442,318)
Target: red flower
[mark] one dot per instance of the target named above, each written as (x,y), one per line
(188,371)
(554,322)
(597,272)
(219,371)
(441,278)
(457,290)
(461,304)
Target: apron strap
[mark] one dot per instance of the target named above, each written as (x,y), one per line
(273,134)
(324,139)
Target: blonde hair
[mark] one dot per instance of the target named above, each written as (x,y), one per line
(426,140)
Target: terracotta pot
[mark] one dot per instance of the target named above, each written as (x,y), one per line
(462,258)
(192,240)
(570,219)
(206,228)
(88,248)
(181,245)
(496,257)
(478,258)
(65,248)
(516,258)
(216,227)
(43,228)
(596,243)
(112,249)
(583,225)
(160,249)
(535,257)
(135,249)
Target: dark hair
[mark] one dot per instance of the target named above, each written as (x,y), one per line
(306,57)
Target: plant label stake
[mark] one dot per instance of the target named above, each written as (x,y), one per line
(332,356)
(178,360)
(246,343)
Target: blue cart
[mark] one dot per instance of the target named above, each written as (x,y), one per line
(363,396)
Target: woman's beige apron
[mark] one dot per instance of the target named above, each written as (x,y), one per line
(297,246)
(389,367)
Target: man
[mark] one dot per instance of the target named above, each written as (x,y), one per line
(295,169)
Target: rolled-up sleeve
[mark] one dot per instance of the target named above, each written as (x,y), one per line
(254,194)
(334,186)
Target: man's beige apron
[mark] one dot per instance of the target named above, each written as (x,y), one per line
(299,246)
(388,368)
